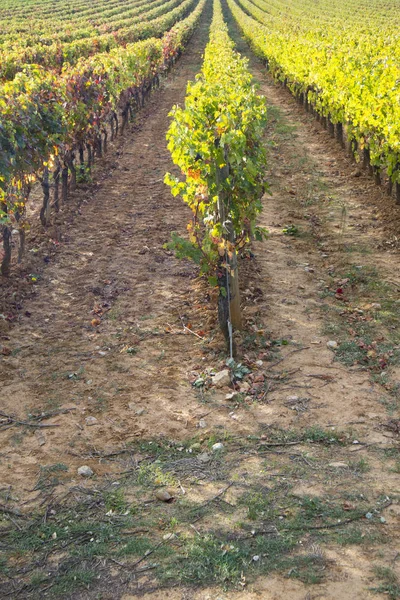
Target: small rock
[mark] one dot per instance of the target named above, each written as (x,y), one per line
(202,424)
(259,363)
(40,437)
(163,496)
(85,471)
(204,457)
(369,515)
(218,446)
(338,465)
(90,421)
(356,442)
(332,345)
(231,396)
(102,353)
(89,382)
(140,411)
(132,405)
(168,536)
(382,520)
(221,379)
(256,558)
(244,387)
(376,306)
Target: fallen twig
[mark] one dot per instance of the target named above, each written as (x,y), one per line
(288,354)
(148,553)
(189,330)
(339,524)
(324,377)
(11,421)
(280,443)
(11,511)
(221,493)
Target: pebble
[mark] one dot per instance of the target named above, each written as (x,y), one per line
(204,457)
(332,344)
(338,465)
(202,424)
(221,379)
(90,421)
(218,446)
(369,515)
(85,471)
(140,411)
(163,495)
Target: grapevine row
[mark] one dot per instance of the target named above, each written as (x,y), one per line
(153,23)
(351,81)
(216,140)
(47,121)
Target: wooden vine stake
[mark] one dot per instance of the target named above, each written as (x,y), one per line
(229,302)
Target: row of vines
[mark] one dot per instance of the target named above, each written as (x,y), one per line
(216,140)
(346,71)
(61,51)
(52,126)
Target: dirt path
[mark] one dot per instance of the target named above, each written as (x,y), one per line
(102,338)
(124,369)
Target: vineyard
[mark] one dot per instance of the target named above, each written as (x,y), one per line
(199,309)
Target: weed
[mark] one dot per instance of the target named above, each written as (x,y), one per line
(208,559)
(153,475)
(72,580)
(291,230)
(48,475)
(84,175)
(136,546)
(115,501)
(360,466)
(390,583)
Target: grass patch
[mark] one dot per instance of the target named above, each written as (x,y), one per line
(239,523)
(49,475)
(390,584)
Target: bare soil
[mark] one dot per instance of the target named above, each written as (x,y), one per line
(111,329)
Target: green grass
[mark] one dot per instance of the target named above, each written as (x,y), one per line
(390,584)
(254,527)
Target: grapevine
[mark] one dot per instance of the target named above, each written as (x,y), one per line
(215,139)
